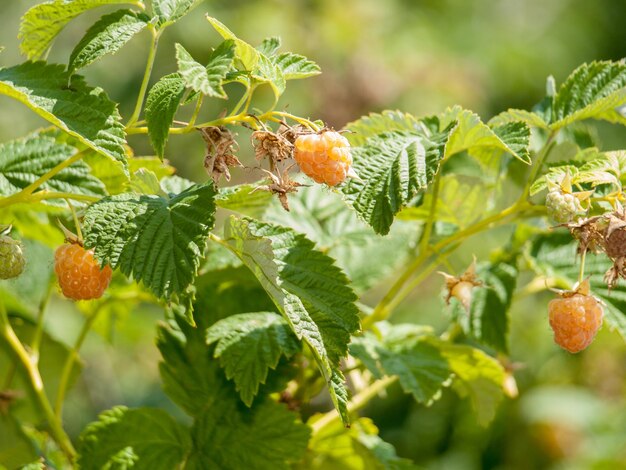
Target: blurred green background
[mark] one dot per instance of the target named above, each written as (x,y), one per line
(418,56)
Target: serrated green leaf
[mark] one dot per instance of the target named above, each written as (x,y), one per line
(141,438)
(107,36)
(269,46)
(307,288)
(393,168)
(156,240)
(170,11)
(206,80)
(296,66)
(115,179)
(41,24)
(337,231)
(518,115)
(250,344)
(18,168)
(245,199)
(246,56)
(472,135)
(77,109)
(161,106)
(266,71)
(593,91)
(268,437)
(488,318)
(554,255)
(478,376)
(374,124)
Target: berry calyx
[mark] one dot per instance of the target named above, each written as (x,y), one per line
(461,287)
(325,157)
(12,259)
(575,318)
(79,274)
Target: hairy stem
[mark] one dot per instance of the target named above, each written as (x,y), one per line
(37,337)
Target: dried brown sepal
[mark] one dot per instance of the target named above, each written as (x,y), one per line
(272,145)
(221,148)
(461,287)
(589,233)
(280,185)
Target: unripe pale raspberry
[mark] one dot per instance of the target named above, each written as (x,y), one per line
(563,207)
(324,157)
(79,274)
(12,259)
(575,321)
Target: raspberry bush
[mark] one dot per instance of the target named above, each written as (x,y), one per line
(271,335)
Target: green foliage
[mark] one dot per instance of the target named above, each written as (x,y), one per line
(16,449)
(206,80)
(43,22)
(248,345)
(170,11)
(17,170)
(245,199)
(67,102)
(158,241)
(161,106)
(141,438)
(306,287)
(108,35)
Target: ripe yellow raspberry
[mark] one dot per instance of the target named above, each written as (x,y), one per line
(79,274)
(575,321)
(324,157)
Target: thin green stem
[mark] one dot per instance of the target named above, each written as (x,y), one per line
(430,222)
(38,336)
(69,362)
(242,100)
(146,77)
(250,93)
(538,164)
(36,385)
(196,111)
(358,401)
(581,274)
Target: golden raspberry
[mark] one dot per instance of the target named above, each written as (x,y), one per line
(575,321)
(324,157)
(79,274)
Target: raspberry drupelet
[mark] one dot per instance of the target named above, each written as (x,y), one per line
(324,157)
(575,321)
(79,274)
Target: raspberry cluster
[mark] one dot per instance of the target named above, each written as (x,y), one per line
(79,274)
(563,207)
(324,157)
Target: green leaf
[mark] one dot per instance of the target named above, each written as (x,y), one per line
(25,160)
(83,112)
(161,106)
(374,124)
(170,11)
(16,449)
(158,241)
(268,437)
(246,56)
(141,438)
(225,434)
(554,256)
(295,66)
(488,317)
(107,36)
(393,168)
(518,115)
(41,24)
(114,178)
(266,71)
(250,344)
(359,447)
(269,46)
(471,134)
(206,80)
(337,231)
(307,288)
(593,91)
(477,376)
(245,199)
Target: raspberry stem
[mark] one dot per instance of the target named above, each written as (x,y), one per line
(35,382)
(146,77)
